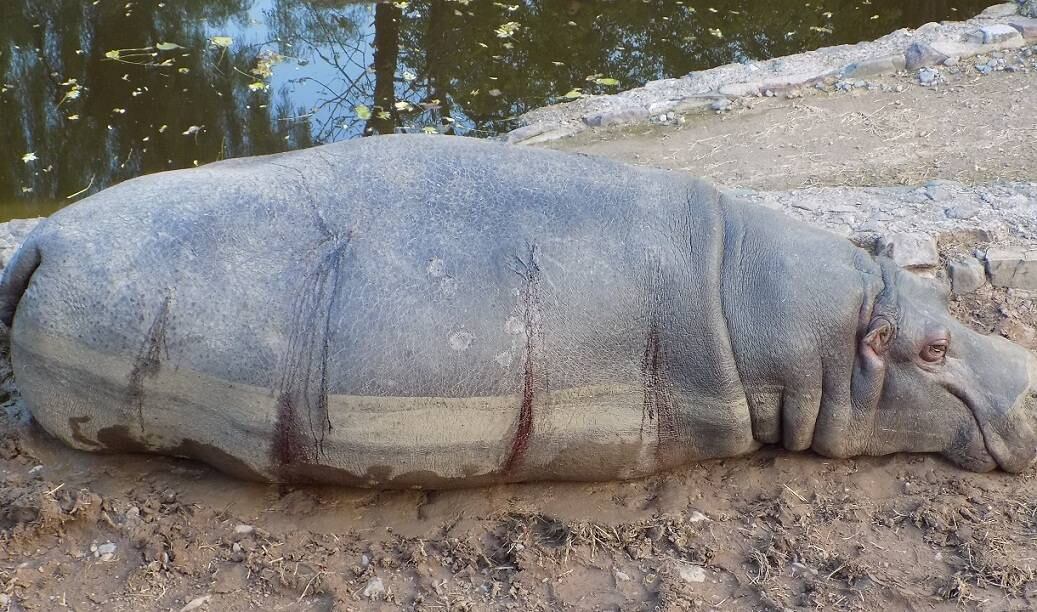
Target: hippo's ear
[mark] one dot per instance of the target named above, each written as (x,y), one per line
(880,335)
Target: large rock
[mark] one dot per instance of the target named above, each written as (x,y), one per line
(920,54)
(1026,27)
(1028,7)
(1014,267)
(912,251)
(995,34)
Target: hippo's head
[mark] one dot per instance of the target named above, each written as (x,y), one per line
(933,385)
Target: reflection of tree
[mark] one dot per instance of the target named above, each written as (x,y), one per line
(131,118)
(386,53)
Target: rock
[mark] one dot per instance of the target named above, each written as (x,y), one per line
(950,62)
(1028,8)
(1014,267)
(694,104)
(243,529)
(939,190)
(692,573)
(920,54)
(912,251)
(697,517)
(619,116)
(995,34)
(1026,27)
(525,132)
(928,76)
(966,275)
(375,588)
(196,603)
(962,212)
(231,578)
(1012,202)
(720,105)
(1006,9)
(875,66)
(621,577)
(1018,332)
(105,552)
(558,133)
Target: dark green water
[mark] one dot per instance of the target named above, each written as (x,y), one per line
(95,92)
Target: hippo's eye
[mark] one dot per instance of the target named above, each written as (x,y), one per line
(935,352)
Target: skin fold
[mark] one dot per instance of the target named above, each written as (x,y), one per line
(412,311)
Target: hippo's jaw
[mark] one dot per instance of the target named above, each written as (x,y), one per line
(1009,436)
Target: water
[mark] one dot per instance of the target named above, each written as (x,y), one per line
(93,93)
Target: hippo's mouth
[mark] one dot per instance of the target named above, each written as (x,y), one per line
(1010,440)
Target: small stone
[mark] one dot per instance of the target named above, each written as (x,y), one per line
(196,603)
(620,116)
(375,588)
(912,251)
(231,578)
(1028,8)
(938,190)
(697,517)
(1013,267)
(720,105)
(962,212)
(365,561)
(928,76)
(920,54)
(951,62)
(692,573)
(621,577)
(243,529)
(966,275)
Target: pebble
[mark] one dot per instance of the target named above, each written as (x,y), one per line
(920,54)
(375,588)
(962,212)
(196,603)
(928,76)
(692,573)
(620,576)
(720,105)
(243,529)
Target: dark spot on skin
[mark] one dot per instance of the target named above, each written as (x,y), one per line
(302,404)
(657,403)
(119,440)
(289,446)
(148,360)
(533,317)
(74,424)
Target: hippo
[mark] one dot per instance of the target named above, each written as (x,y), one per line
(431,312)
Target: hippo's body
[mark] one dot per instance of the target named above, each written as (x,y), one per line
(420,311)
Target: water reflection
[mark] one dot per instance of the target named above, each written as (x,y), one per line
(93,93)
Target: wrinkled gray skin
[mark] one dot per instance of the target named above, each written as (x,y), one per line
(432,312)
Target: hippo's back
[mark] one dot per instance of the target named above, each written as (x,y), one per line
(298,309)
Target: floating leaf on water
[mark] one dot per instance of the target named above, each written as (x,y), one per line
(494,92)
(191,131)
(409,76)
(402,105)
(558,63)
(183,70)
(258,86)
(113,54)
(507,30)
(384,115)
(167,46)
(362,112)
(163,128)
(573,94)
(121,111)
(29,157)
(222,41)
(430,130)
(73,117)
(607,81)
(716,32)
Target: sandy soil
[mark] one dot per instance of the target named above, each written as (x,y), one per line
(775,530)
(972,128)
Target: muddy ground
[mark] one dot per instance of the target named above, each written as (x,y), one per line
(775,530)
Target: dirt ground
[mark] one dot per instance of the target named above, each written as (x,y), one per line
(771,531)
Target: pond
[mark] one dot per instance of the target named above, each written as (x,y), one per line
(95,92)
